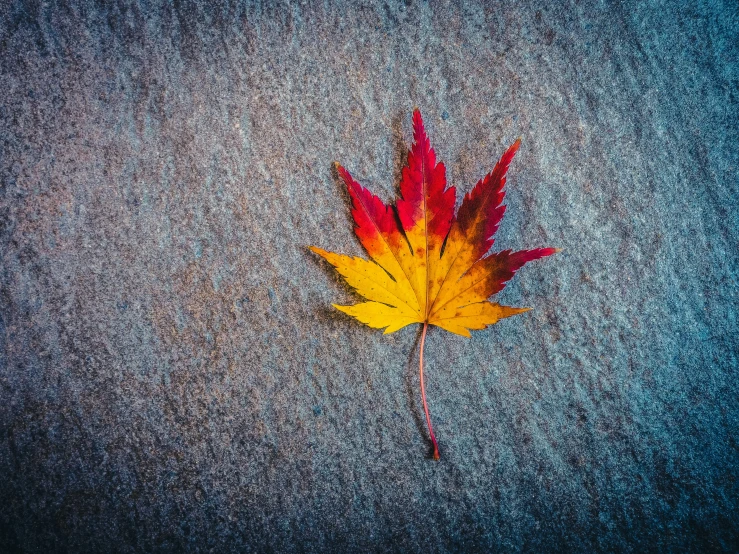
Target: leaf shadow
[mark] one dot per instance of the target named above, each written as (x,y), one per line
(400,150)
(341,187)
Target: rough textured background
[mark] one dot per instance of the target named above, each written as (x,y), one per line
(172,377)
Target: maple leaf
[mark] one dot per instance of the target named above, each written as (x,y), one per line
(428,266)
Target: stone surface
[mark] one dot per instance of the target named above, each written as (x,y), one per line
(172,376)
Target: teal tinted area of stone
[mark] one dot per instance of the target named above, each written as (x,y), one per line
(172,376)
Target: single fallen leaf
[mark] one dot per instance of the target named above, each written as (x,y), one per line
(429,266)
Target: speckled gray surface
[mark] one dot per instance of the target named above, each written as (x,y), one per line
(172,377)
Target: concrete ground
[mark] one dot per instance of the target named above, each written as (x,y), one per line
(172,375)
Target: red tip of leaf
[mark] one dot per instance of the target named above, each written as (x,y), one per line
(423,186)
(419,132)
(482,211)
(503,265)
(371,215)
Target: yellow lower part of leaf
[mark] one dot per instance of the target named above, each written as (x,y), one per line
(378,315)
(372,282)
(473,316)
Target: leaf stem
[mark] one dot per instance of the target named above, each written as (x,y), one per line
(423,396)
